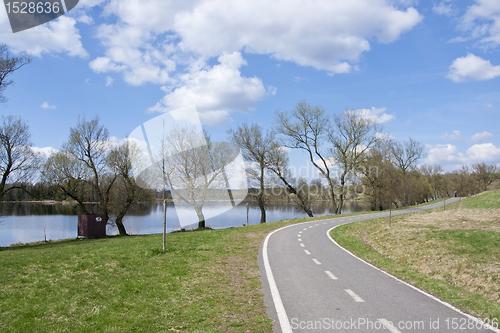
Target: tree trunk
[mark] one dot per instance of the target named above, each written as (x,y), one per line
(338,209)
(201,218)
(332,193)
(120,226)
(119,219)
(262,210)
(260,199)
(308,211)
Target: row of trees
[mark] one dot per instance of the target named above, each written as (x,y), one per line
(88,169)
(348,150)
(351,155)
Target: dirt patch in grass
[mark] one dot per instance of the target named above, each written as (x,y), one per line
(461,247)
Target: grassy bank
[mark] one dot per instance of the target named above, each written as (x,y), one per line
(453,254)
(205,281)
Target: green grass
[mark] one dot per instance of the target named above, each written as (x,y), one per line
(458,258)
(205,281)
(485,200)
(125,284)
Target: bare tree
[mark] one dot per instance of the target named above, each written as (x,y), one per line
(434,174)
(298,189)
(259,148)
(9,65)
(485,174)
(194,166)
(83,163)
(18,162)
(125,192)
(378,178)
(405,156)
(352,136)
(306,128)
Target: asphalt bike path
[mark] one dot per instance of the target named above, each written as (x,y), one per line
(311,284)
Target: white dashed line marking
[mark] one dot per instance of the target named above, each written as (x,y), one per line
(307,252)
(311,227)
(387,324)
(300,240)
(304,229)
(316,225)
(316,262)
(325,222)
(333,277)
(302,245)
(354,296)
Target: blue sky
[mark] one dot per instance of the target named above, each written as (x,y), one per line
(429,70)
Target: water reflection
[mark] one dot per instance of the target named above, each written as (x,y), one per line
(31,222)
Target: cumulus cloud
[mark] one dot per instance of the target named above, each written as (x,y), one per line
(449,155)
(478,137)
(151,38)
(378,115)
(485,152)
(46,105)
(216,91)
(444,154)
(482,21)
(327,35)
(58,36)
(455,135)
(44,152)
(472,67)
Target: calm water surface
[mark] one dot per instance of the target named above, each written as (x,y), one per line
(31,222)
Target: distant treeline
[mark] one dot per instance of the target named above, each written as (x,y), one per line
(348,152)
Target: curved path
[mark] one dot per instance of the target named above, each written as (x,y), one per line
(311,284)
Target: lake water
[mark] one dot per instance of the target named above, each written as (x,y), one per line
(32,222)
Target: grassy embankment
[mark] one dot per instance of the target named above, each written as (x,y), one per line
(206,281)
(453,254)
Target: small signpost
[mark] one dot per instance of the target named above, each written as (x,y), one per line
(247,213)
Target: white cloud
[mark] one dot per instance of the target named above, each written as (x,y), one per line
(327,35)
(46,105)
(472,67)
(485,152)
(330,162)
(482,20)
(478,137)
(151,38)
(455,135)
(109,81)
(105,65)
(385,137)
(444,154)
(378,115)
(449,156)
(58,36)
(443,8)
(216,91)
(285,150)
(488,106)
(45,152)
